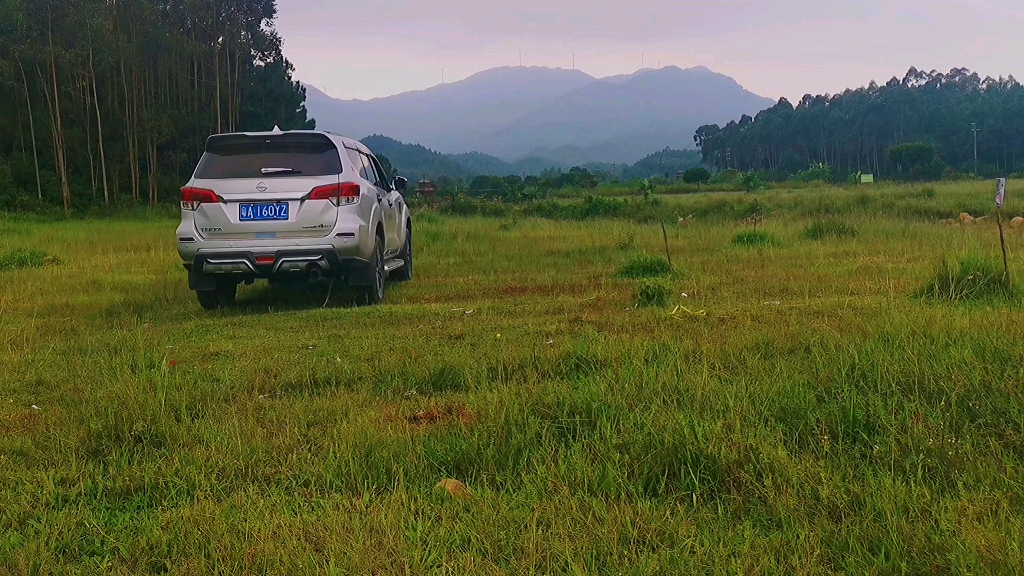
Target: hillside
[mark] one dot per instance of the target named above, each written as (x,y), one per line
(415,161)
(564,116)
(628,118)
(447,116)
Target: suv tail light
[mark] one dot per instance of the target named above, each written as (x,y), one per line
(191,197)
(339,194)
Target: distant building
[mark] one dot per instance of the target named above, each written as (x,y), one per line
(426,188)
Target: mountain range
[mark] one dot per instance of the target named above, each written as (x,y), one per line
(563,116)
(415,161)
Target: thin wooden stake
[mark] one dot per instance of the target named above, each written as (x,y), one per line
(1002,242)
(668,254)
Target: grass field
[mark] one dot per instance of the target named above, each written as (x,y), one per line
(799,411)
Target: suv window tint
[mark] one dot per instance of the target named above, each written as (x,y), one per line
(356,159)
(382,176)
(367,172)
(253,159)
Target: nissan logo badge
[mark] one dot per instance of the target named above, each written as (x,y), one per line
(262,187)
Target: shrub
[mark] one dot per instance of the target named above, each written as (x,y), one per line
(651,293)
(21,258)
(755,239)
(816,173)
(969,278)
(830,227)
(464,206)
(697,175)
(753,181)
(726,176)
(644,266)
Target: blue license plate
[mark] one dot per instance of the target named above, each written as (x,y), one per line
(251,212)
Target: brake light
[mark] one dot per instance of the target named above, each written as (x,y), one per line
(339,194)
(191,197)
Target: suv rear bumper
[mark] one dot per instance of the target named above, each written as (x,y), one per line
(209,268)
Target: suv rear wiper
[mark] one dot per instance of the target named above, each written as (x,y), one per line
(272,171)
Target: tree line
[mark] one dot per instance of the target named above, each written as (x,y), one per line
(853,132)
(111,101)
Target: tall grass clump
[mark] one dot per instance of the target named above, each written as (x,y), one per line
(645,266)
(651,293)
(968,279)
(829,228)
(756,239)
(21,258)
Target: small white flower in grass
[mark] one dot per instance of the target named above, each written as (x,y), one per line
(34,407)
(685,295)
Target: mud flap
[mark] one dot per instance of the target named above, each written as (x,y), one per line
(200,281)
(357,273)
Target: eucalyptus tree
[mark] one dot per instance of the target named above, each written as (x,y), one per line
(854,131)
(110,101)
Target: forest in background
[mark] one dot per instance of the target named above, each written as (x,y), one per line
(854,131)
(416,161)
(110,102)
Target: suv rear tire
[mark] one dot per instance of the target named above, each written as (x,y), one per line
(223,296)
(404,274)
(374,292)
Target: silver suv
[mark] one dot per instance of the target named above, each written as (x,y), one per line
(292,205)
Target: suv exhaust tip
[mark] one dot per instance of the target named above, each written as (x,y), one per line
(315,272)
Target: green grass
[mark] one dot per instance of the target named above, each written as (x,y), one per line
(967,279)
(21,258)
(755,239)
(651,293)
(645,266)
(829,228)
(815,419)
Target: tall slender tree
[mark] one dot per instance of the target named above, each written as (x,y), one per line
(128,91)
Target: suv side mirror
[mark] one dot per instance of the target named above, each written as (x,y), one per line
(400,184)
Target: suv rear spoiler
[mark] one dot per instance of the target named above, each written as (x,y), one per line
(225,140)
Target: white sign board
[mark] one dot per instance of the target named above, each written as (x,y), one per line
(867,178)
(1000,192)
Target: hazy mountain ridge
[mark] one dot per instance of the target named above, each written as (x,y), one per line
(564,116)
(415,161)
(447,116)
(645,112)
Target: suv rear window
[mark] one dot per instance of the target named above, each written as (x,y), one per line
(268,159)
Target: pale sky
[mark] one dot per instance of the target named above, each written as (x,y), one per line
(788,48)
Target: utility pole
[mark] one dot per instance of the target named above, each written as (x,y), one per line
(574,60)
(641,60)
(442,74)
(520,58)
(975,129)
